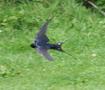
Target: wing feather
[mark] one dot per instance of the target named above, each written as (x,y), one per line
(45,53)
(41,35)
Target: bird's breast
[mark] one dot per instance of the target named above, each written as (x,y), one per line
(43,45)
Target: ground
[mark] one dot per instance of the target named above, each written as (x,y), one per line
(82,30)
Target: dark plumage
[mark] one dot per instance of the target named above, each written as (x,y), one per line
(41,42)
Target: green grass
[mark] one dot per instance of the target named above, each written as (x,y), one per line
(22,68)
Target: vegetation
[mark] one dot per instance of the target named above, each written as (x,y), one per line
(100,3)
(22,68)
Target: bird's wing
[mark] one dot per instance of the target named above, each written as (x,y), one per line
(45,53)
(41,35)
(43,28)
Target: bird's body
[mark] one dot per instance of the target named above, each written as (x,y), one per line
(41,42)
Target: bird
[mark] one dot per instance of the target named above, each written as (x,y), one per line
(41,42)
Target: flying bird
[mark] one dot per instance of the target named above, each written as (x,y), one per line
(41,42)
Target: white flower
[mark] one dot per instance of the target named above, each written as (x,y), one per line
(0,31)
(94,55)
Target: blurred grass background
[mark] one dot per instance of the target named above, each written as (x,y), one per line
(83,30)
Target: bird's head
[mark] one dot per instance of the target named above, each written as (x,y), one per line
(33,45)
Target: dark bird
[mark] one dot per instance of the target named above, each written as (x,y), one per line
(41,42)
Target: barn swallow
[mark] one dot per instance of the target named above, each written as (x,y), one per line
(41,42)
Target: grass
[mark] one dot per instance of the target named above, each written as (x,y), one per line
(22,68)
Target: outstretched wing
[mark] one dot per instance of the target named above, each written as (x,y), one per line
(41,35)
(45,53)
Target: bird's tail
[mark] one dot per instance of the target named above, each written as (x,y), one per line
(69,54)
(60,45)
